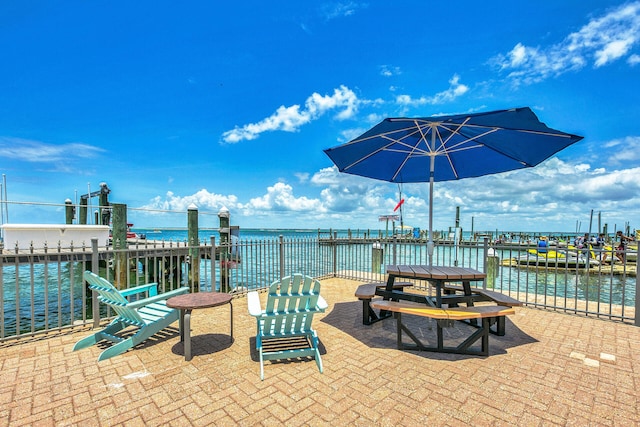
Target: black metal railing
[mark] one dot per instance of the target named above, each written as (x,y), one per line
(42,290)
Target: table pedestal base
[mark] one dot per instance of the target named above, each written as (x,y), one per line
(185,329)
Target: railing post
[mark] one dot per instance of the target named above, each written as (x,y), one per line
(2,320)
(120,244)
(213,263)
(281,253)
(225,238)
(636,320)
(485,258)
(95,268)
(194,247)
(377,257)
(394,246)
(334,237)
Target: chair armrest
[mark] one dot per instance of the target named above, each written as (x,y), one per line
(156,298)
(151,287)
(322,304)
(253,301)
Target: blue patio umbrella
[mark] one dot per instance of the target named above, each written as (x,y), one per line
(444,148)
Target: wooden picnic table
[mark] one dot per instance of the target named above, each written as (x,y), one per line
(436,275)
(399,301)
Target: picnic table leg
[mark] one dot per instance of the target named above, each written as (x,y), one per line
(365,312)
(399,329)
(466,285)
(485,336)
(500,326)
(369,316)
(438,284)
(390,280)
(500,321)
(402,327)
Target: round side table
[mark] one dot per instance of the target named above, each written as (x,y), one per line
(188,302)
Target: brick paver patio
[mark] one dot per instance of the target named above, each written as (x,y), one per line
(550,369)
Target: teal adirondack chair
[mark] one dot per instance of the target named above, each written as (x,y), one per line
(150,315)
(284,327)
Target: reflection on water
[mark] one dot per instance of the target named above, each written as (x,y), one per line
(48,295)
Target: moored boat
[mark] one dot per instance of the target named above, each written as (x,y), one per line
(132,234)
(558,258)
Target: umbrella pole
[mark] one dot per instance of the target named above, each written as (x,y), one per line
(431,179)
(430,242)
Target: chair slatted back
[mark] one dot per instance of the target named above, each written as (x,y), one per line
(291,304)
(108,294)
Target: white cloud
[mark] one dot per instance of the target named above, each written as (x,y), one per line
(518,55)
(343,99)
(612,51)
(601,41)
(389,71)
(624,150)
(559,169)
(341,9)
(327,176)
(302,176)
(619,184)
(455,90)
(39,152)
(332,177)
(280,197)
(349,134)
(291,119)
(203,199)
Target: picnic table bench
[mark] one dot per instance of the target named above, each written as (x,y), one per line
(485,295)
(444,317)
(366,292)
(497,297)
(443,308)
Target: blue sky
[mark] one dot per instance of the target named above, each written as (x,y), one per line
(231,104)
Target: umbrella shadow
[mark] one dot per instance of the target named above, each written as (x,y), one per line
(347,317)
